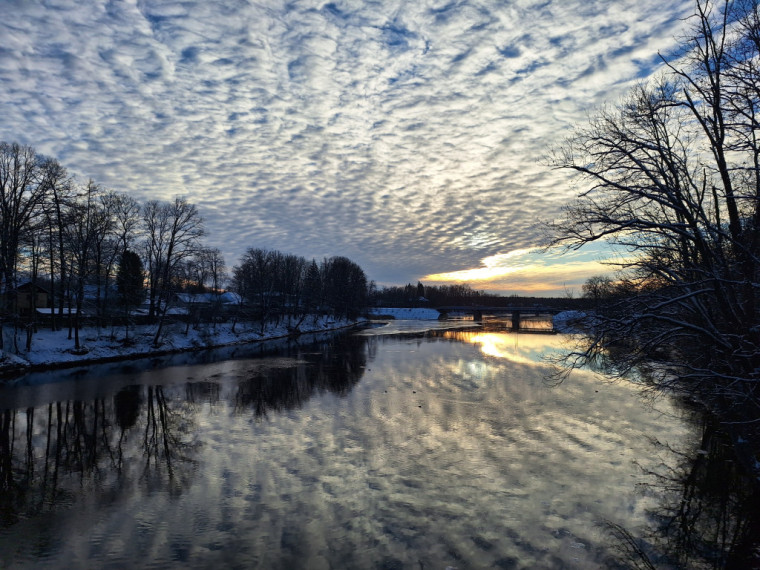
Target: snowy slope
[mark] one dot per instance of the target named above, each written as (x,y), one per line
(412,314)
(54,348)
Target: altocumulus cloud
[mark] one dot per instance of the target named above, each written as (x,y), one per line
(407,136)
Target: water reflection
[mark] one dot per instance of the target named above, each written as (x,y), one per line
(416,326)
(706,512)
(48,454)
(443,449)
(147,432)
(515,347)
(334,366)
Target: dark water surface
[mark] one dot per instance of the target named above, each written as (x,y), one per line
(444,449)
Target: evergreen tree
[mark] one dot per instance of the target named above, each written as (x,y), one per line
(312,287)
(130,284)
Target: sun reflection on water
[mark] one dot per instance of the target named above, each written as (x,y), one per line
(527,349)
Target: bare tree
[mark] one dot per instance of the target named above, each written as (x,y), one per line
(173,230)
(598,288)
(200,269)
(22,192)
(673,179)
(204,272)
(60,193)
(345,287)
(216,268)
(126,213)
(33,249)
(88,225)
(123,215)
(254,281)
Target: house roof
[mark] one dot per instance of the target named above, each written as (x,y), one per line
(28,285)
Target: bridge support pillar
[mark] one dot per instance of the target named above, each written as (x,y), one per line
(477,316)
(515,320)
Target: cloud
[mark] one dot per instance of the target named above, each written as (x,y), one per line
(405,135)
(535,271)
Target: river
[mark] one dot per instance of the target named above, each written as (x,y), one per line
(428,449)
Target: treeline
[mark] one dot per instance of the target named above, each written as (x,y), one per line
(101,254)
(277,284)
(461,295)
(424,296)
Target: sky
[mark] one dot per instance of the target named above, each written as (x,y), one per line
(408,136)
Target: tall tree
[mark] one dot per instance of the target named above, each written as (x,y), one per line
(173,231)
(217,268)
(88,224)
(60,192)
(673,176)
(122,213)
(130,286)
(254,280)
(22,192)
(293,269)
(345,287)
(312,287)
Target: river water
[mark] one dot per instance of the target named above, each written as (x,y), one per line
(436,449)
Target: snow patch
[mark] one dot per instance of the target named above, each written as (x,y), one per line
(408,314)
(568,321)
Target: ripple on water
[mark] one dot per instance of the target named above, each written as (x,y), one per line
(339,467)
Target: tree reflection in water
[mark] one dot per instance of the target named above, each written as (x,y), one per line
(50,453)
(167,442)
(74,437)
(335,366)
(46,458)
(707,512)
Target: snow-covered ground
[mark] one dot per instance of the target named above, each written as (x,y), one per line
(568,321)
(54,348)
(407,314)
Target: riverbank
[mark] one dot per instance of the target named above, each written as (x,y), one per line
(54,349)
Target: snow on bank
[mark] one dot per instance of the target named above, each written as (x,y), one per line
(54,348)
(568,321)
(408,314)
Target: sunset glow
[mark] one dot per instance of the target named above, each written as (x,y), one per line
(533,271)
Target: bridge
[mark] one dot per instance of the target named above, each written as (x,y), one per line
(515,313)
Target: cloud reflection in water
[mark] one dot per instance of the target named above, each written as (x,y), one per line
(386,451)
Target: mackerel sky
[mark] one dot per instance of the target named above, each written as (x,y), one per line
(407,136)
